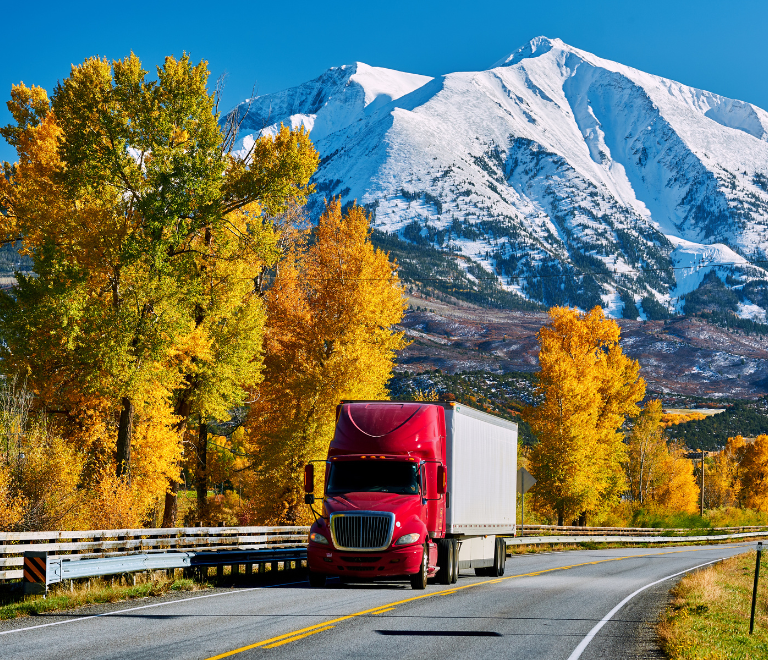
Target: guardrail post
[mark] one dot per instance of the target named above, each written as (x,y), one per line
(754,588)
(35,572)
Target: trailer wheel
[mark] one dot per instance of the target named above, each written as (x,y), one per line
(455,544)
(499,559)
(419,580)
(444,561)
(501,553)
(316,579)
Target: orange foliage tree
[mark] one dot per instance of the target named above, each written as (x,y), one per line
(330,337)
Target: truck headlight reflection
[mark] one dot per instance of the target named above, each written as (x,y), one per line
(407,539)
(318,538)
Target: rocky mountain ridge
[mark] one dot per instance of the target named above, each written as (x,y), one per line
(554,177)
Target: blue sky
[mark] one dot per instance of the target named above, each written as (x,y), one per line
(717,46)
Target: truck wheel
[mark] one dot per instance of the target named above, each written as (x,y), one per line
(502,556)
(455,561)
(316,579)
(444,561)
(419,580)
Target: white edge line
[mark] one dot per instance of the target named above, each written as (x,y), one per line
(146,607)
(585,642)
(574,656)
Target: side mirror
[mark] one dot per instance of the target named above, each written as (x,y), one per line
(309,498)
(442,479)
(309,478)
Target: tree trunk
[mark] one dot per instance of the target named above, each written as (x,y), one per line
(583,519)
(560,516)
(201,474)
(124,438)
(171,505)
(171,502)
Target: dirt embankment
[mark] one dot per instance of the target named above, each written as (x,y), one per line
(681,356)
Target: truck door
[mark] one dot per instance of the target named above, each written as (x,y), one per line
(434,515)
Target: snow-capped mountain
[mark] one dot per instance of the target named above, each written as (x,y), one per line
(573,179)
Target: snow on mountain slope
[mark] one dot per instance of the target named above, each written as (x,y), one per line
(336,99)
(573,179)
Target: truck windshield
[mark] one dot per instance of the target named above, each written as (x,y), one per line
(373,476)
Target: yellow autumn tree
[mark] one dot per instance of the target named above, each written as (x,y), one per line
(587,387)
(12,504)
(330,336)
(646,454)
(677,489)
(143,320)
(658,474)
(673,419)
(754,474)
(723,475)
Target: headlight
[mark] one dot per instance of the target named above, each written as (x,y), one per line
(318,538)
(407,539)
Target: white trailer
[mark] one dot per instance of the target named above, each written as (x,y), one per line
(481,453)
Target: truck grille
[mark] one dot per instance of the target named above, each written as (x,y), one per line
(366,530)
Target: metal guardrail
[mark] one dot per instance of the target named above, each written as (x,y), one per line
(58,568)
(618,538)
(93,544)
(61,568)
(44,558)
(629,531)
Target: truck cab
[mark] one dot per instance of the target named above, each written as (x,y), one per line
(385,497)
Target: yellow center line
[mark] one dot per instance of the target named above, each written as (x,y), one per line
(296,637)
(326,625)
(386,609)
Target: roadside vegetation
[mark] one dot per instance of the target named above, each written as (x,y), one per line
(93,592)
(708,618)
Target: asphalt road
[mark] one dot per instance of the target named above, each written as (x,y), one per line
(565,605)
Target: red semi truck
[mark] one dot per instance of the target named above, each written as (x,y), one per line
(413,490)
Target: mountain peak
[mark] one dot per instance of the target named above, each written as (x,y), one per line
(572,179)
(534,48)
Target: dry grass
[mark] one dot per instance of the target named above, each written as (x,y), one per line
(709,615)
(72,594)
(89,592)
